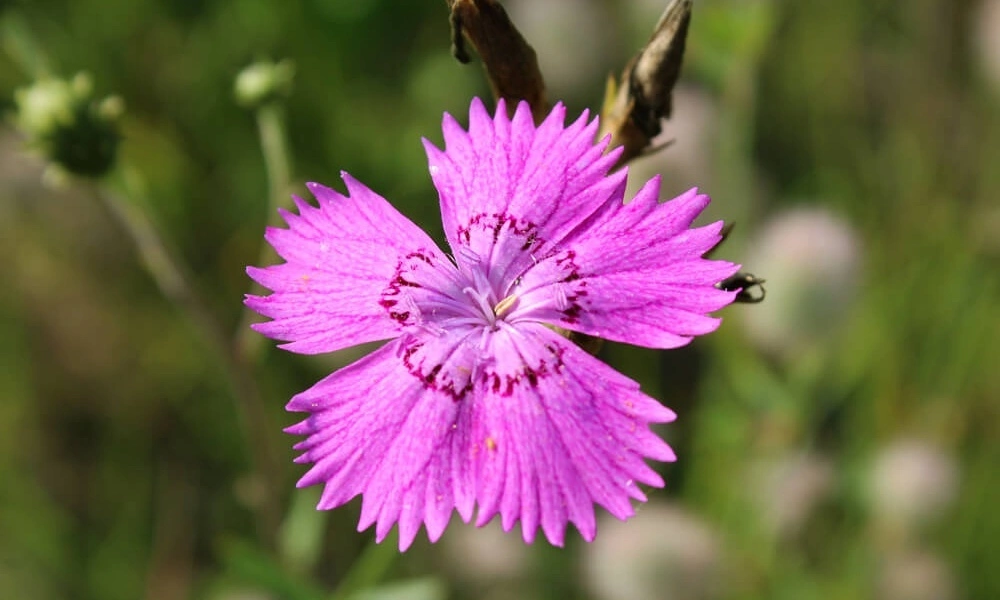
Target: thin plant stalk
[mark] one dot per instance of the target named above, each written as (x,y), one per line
(174,283)
(367,571)
(277,164)
(20,45)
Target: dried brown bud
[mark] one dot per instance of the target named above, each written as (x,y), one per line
(633,110)
(510,63)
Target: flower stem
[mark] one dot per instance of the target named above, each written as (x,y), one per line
(367,571)
(21,46)
(277,164)
(174,283)
(271,125)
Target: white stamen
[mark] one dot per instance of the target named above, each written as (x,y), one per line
(468,255)
(482,301)
(562,301)
(482,283)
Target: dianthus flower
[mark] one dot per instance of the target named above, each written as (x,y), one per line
(478,399)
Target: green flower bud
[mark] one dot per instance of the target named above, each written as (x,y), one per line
(44,106)
(71,128)
(263,82)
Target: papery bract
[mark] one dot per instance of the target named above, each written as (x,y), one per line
(477,400)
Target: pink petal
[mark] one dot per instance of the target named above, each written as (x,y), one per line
(509,190)
(379,429)
(570,432)
(340,257)
(634,273)
(478,403)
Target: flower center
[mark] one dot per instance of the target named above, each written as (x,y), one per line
(491,311)
(484,296)
(433,294)
(458,316)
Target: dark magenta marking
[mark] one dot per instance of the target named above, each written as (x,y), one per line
(495,222)
(387,301)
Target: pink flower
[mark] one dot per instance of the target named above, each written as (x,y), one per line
(476,400)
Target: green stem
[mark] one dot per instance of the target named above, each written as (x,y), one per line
(277,164)
(21,46)
(367,571)
(271,124)
(174,283)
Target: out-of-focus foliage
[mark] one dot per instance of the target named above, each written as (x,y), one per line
(853,454)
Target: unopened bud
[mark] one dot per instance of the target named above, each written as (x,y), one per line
(111,108)
(71,128)
(634,108)
(44,106)
(264,82)
(82,85)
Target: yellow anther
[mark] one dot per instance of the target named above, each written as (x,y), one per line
(504,305)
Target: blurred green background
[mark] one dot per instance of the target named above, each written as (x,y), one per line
(837,441)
